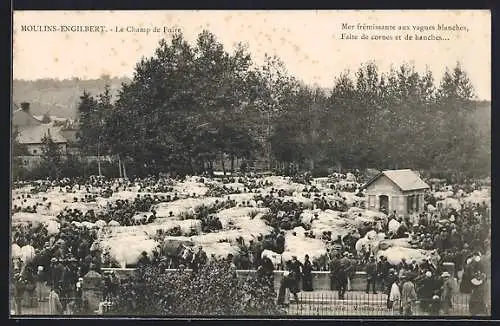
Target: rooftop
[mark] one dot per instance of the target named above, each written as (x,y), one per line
(35,134)
(405,179)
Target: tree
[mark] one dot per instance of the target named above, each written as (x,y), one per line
(88,115)
(52,162)
(170,116)
(459,140)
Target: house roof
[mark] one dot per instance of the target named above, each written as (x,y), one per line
(22,119)
(405,179)
(35,134)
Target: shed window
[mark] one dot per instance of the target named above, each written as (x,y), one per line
(412,203)
(371,200)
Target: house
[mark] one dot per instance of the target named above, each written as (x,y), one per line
(396,190)
(32,138)
(31,131)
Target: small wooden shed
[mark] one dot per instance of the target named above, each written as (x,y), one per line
(396,190)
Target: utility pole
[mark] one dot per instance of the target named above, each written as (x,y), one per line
(99,155)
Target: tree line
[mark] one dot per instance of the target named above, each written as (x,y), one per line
(191,105)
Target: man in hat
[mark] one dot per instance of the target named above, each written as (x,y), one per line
(296,269)
(199,259)
(414,267)
(334,265)
(56,271)
(143,260)
(371,272)
(426,290)
(280,242)
(383,267)
(408,295)
(447,293)
(342,274)
(79,293)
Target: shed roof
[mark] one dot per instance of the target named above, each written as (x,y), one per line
(405,179)
(35,134)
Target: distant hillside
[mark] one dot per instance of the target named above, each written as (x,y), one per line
(60,97)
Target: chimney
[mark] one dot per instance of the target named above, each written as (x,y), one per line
(25,106)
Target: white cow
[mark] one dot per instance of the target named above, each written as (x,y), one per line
(16,251)
(394,226)
(52,227)
(100,224)
(27,253)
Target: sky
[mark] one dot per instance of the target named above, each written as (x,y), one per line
(308,42)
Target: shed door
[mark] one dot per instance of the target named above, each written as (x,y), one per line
(384,203)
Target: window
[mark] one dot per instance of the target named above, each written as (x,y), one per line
(371,201)
(35,151)
(409,204)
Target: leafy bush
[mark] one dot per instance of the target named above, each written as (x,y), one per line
(215,290)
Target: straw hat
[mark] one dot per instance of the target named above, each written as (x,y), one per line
(445,274)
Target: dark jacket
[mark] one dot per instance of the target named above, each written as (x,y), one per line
(371,270)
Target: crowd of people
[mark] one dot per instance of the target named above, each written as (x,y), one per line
(459,236)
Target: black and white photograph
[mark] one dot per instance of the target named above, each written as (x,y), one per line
(253,163)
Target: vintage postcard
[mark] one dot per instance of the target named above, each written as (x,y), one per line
(251,163)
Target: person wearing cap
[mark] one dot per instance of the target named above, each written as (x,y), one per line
(40,278)
(143,260)
(477,301)
(413,267)
(394,297)
(287,285)
(296,267)
(57,270)
(342,275)
(426,290)
(79,292)
(307,275)
(55,306)
(408,295)
(334,266)
(371,272)
(447,293)
(199,259)
(383,267)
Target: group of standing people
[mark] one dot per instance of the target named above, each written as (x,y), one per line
(293,275)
